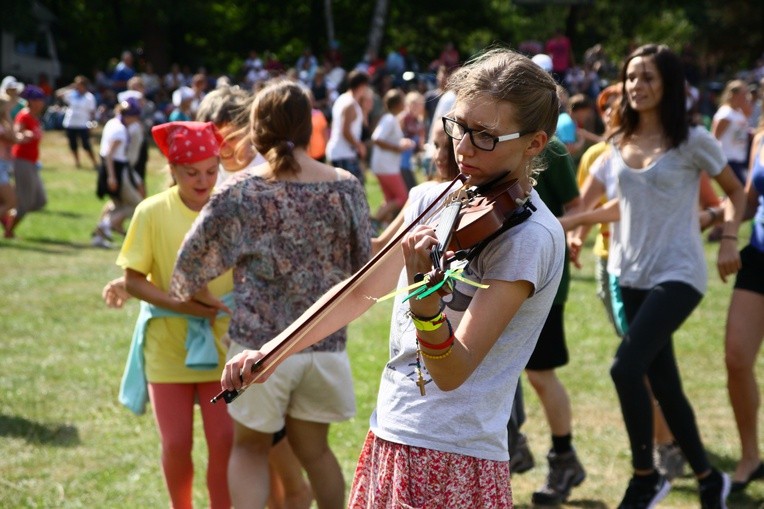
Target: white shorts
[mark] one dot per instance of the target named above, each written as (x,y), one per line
(309,386)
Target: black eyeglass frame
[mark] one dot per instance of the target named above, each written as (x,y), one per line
(449,122)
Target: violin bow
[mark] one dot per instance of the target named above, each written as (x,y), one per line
(285,347)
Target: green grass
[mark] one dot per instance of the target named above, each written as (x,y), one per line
(66,442)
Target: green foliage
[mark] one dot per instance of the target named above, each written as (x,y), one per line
(215,34)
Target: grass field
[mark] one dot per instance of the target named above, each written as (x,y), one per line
(66,442)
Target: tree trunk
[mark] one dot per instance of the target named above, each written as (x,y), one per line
(329,21)
(377,27)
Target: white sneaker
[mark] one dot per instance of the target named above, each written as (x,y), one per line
(104,229)
(99,241)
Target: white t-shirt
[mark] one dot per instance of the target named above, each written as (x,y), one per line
(472,419)
(659,235)
(80,109)
(603,171)
(338,147)
(734,139)
(114,130)
(383,161)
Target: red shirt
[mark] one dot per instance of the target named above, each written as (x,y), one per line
(30,150)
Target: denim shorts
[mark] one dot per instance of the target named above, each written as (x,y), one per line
(5,171)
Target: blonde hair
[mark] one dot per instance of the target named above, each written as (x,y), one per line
(505,75)
(731,89)
(229,109)
(281,120)
(5,112)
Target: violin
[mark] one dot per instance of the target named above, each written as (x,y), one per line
(470,219)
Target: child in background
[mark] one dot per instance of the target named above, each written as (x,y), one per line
(30,191)
(412,124)
(7,138)
(115,176)
(176,380)
(389,143)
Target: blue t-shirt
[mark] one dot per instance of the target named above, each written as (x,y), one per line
(757,176)
(566,128)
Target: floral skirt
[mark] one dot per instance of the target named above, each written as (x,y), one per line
(394,476)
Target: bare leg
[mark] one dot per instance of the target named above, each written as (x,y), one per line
(310,443)
(248,477)
(289,489)
(744,333)
(554,399)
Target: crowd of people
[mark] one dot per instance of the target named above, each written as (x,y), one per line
(250,265)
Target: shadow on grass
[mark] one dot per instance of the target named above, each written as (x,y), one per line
(61,435)
(39,244)
(687,484)
(582,503)
(62,213)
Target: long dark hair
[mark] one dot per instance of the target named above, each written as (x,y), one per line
(673,116)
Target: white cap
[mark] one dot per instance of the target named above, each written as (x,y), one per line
(11,82)
(129,94)
(182,94)
(543,61)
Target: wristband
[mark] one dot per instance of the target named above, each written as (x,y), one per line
(427,318)
(440,346)
(428,324)
(729,237)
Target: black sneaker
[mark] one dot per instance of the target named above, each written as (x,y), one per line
(714,490)
(645,492)
(520,457)
(565,473)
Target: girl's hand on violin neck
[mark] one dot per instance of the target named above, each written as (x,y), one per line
(238,373)
(417,245)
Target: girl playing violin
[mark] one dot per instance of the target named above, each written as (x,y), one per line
(438,434)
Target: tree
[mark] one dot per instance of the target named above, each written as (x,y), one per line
(377,27)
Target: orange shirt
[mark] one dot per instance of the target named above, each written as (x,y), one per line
(320,135)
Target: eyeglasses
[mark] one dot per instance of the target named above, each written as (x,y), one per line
(480,139)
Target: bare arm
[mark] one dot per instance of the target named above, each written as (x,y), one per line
(377,243)
(728,259)
(141,288)
(348,116)
(718,128)
(610,212)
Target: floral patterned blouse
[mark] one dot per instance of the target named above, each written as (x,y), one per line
(288,243)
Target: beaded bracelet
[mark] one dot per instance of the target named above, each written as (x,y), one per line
(730,237)
(437,357)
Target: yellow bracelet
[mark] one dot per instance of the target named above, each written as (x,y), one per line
(437,357)
(428,325)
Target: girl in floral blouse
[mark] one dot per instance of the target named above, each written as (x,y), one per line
(290,229)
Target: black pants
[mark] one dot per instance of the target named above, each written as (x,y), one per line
(647,350)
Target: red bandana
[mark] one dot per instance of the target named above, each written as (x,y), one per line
(187,142)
